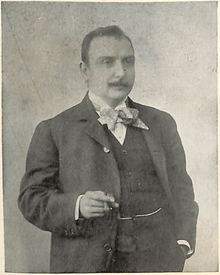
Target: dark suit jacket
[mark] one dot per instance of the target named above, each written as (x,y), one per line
(68,156)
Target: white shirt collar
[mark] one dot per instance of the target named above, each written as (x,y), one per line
(100,104)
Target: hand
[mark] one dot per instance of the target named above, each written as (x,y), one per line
(96,204)
(185,249)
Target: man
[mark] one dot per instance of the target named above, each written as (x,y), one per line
(108,177)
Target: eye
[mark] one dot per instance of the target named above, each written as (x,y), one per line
(129,61)
(107,61)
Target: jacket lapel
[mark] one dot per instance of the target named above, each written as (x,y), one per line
(158,158)
(92,127)
(152,137)
(95,130)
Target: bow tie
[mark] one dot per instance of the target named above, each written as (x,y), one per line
(127,116)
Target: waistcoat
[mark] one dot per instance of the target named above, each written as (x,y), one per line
(141,192)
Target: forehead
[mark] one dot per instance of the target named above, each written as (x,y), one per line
(110,46)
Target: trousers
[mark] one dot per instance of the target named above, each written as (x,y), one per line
(147,245)
(162,258)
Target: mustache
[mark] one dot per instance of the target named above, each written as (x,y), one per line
(118,83)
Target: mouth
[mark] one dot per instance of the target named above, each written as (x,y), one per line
(118,85)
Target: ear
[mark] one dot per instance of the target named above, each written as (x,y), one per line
(83,69)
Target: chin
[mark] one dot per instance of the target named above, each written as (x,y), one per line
(119,92)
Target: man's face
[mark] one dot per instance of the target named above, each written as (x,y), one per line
(111,71)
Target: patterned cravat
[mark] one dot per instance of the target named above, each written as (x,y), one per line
(127,116)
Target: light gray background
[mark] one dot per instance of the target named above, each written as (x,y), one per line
(176,71)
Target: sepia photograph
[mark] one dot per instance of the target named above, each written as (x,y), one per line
(109,133)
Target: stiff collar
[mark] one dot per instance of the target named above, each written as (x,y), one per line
(86,110)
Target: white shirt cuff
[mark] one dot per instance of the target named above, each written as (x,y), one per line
(184,242)
(77,207)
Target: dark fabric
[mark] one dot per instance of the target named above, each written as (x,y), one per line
(141,191)
(149,245)
(165,256)
(143,233)
(143,243)
(68,156)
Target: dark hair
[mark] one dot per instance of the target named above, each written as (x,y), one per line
(114,31)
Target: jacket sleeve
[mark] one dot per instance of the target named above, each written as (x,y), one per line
(180,183)
(41,199)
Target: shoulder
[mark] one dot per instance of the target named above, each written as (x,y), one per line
(154,116)
(69,115)
(56,126)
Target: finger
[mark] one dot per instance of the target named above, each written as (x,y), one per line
(101,196)
(97,215)
(98,210)
(96,203)
(106,207)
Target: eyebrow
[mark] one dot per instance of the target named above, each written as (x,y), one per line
(112,57)
(129,57)
(106,57)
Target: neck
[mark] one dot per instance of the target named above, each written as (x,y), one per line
(112,103)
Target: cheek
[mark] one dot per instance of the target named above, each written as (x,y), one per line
(97,76)
(101,76)
(100,80)
(104,76)
(131,75)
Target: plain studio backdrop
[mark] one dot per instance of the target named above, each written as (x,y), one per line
(176,71)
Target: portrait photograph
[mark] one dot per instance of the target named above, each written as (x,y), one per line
(109,133)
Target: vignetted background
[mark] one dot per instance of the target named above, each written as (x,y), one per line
(176,71)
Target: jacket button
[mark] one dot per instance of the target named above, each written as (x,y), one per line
(108,247)
(106,150)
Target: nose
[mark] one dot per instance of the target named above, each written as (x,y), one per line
(119,69)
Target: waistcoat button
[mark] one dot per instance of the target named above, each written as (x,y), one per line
(108,247)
